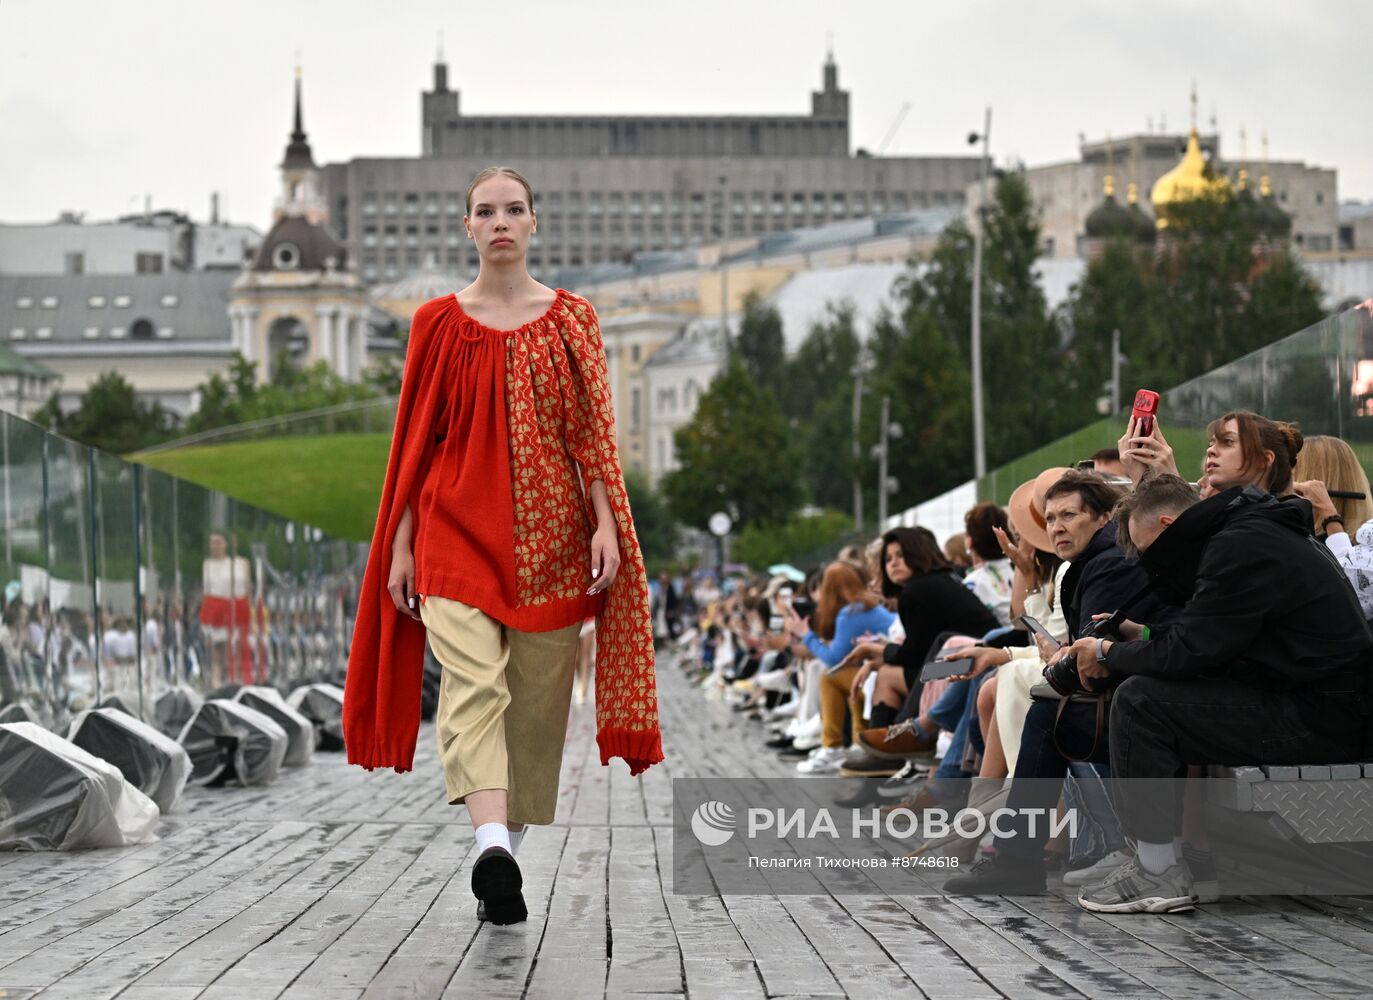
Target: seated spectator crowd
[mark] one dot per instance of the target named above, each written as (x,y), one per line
(1112,625)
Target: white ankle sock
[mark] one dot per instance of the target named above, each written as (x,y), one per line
(1177,849)
(515,837)
(1155,858)
(493,835)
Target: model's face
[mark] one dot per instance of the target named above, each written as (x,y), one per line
(501,220)
(218,547)
(1071,525)
(895,560)
(1225,460)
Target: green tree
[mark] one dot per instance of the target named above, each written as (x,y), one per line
(1212,290)
(760,344)
(795,541)
(819,402)
(823,364)
(236,397)
(922,358)
(926,378)
(110,417)
(653,521)
(736,450)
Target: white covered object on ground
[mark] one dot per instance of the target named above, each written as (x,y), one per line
(56,796)
(155,764)
(299,729)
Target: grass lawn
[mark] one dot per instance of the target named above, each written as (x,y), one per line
(332,481)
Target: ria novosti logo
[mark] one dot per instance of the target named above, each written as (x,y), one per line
(713,823)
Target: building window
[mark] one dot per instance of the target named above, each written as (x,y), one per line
(142,329)
(74,263)
(634,354)
(96,302)
(23,302)
(285,257)
(19,333)
(635,406)
(117,332)
(170,301)
(148,263)
(165,333)
(49,301)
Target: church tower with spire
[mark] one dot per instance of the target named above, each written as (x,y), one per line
(296,303)
(300,186)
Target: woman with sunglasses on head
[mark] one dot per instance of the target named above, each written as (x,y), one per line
(503,525)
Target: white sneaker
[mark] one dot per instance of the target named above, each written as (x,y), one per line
(1097,872)
(804,728)
(854,753)
(785,710)
(774,680)
(825,760)
(808,742)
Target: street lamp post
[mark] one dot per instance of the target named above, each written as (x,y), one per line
(979,426)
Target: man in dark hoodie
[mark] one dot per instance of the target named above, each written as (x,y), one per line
(1269,663)
(1099,580)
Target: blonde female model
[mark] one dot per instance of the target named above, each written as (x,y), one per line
(503,525)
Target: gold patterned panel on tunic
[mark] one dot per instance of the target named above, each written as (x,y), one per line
(552,533)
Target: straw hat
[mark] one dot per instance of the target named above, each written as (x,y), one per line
(1026,508)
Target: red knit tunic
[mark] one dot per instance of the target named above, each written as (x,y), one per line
(496,433)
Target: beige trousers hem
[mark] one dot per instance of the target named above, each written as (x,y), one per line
(503,705)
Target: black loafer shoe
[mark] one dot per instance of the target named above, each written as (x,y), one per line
(496,882)
(998,875)
(779,743)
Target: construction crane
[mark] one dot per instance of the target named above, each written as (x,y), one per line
(891,132)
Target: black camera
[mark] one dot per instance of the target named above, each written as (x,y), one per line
(1063,677)
(803,606)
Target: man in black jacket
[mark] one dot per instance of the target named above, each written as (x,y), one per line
(1268,664)
(1099,580)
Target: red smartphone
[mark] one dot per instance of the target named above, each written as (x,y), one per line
(1146,405)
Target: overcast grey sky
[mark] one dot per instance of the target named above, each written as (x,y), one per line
(102,103)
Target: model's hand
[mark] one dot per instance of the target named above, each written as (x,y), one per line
(401,583)
(605,557)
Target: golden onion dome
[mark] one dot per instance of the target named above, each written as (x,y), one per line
(1189,180)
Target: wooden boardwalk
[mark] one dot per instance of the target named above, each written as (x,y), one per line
(335,884)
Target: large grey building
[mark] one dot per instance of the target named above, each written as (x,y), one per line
(609,186)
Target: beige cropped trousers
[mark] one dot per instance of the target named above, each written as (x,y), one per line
(503,703)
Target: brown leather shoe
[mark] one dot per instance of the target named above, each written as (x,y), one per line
(923,799)
(904,746)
